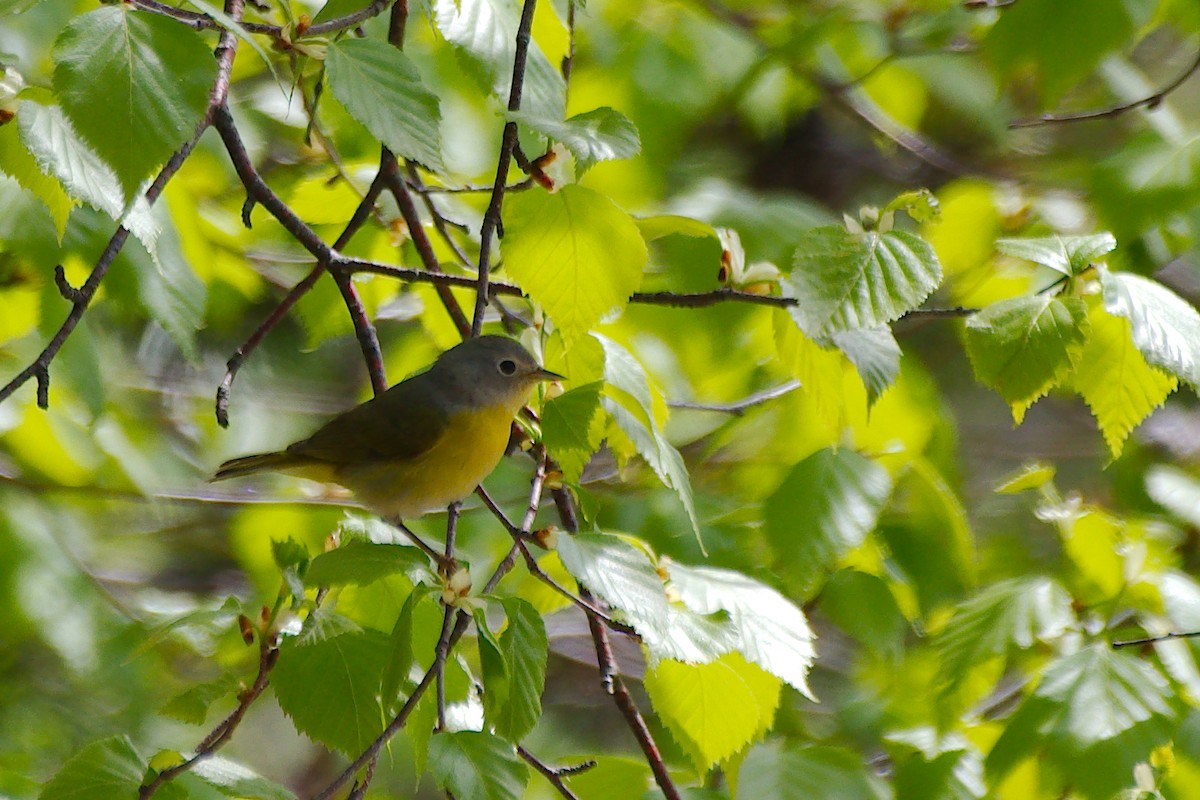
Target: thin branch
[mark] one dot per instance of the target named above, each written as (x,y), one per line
(1166,637)
(440,223)
(398,722)
(258,191)
(739,407)
(416,231)
(299,290)
(1150,102)
(82,297)
(555,775)
(610,678)
(610,672)
(201,21)
(491,218)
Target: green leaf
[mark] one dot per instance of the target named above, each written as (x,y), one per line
(573,428)
(1011,614)
(575,252)
(524,645)
(932,764)
(1033,475)
(629,401)
(875,353)
(862,605)
(1089,709)
(1115,380)
(382,89)
(17,162)
(713,710)
(621,574)
(16,6)
(191,706)
(59,151)
(807,773)
(171,292)
(477,766)
(236,780)
(602,134)
(769,630)
(1024,346)
(362,563)
(1165,328)
(1101,693)
(417,620)
(496,682)
(661,225)
(134,85)
(103,769)
(484,33)
(846,281)
(1070,255)
(613,778)
(288,552)
(1061,40)
(330,689)
(825,506)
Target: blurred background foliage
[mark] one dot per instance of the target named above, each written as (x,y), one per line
(766,117)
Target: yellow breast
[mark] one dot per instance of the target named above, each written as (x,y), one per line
(466,453)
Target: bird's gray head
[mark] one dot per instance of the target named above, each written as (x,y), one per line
(494,370)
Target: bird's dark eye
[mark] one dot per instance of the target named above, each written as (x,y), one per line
(507,367)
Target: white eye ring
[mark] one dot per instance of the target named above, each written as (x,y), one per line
(507,367)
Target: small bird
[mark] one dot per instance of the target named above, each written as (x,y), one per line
(426,442)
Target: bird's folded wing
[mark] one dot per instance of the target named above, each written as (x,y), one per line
(404,422)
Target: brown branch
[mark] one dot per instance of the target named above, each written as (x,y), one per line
(408,209)
(610,677)
(268,656)
(234,364)
(201,21)
(555,775)
(1150,102)
(1166,637)
(327,257)
(82,297)
(492,224)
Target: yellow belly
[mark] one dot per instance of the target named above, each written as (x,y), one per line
(449,471)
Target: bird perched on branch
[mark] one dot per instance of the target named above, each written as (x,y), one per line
(426,442)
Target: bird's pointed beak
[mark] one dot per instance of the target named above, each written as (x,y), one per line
(547,375)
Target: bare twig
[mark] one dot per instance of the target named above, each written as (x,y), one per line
(555,775)
(399,189)
(739,407)
(1166,637)
(262,194)
(201,21)
(610,672)
(299,290)
(1150,102)
(491,218)
(82,297)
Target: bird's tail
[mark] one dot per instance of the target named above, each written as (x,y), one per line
(248,465)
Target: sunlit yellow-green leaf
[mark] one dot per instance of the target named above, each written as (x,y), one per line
(825,374)
(1023,347)
(1114,379)
(575,252)
(19,164)
(713,710)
